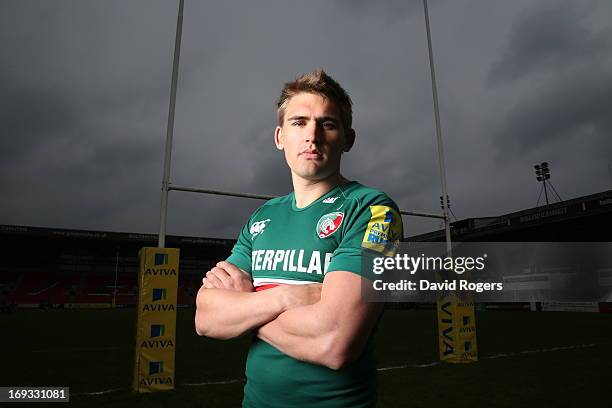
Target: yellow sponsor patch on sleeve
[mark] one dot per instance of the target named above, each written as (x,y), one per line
(384,230)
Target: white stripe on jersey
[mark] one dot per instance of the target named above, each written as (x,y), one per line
(264,281)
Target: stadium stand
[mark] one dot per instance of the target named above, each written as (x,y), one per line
(59,267)
(73,268)
(582,219)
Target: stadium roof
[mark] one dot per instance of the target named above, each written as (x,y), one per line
(590,212)
(584,211)
(27,231)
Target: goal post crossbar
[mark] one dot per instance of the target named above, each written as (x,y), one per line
(269,197)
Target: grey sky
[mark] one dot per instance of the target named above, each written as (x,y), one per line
(85,88)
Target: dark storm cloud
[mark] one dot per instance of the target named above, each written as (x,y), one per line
(550,38)
(392,11)
(30,115)
(270,171)
(85,90)
(573,107)
(82,114)
(557,48)
(73,183)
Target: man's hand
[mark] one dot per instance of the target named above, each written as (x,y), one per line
(227,305)
(227,276)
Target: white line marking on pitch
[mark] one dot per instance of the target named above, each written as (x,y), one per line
(215,382)
(80,349)
(97,392)
(500,355)
(518,353)
(432,364)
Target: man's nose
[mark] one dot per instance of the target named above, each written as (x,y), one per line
(314,132)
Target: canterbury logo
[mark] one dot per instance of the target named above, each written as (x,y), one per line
(330,200)
(258,227)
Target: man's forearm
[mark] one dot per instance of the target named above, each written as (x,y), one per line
(302,334)
(317,335)
(224,314)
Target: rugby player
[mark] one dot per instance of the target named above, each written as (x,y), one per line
(294,277)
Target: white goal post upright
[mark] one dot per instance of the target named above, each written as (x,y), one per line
(170,129)
(456,316)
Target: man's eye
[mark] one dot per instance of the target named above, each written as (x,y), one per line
(329,125)
(298,123)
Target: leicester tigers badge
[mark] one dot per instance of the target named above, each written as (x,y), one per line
(329,223)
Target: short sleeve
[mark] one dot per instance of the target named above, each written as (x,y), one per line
(241,252)
(374,229)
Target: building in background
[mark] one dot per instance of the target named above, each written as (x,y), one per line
(77,268)
(582,219)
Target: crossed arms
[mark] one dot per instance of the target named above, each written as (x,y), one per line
(326,324)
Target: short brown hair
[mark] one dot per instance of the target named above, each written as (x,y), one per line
(317,82)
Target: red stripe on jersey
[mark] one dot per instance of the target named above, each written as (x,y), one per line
(266,286)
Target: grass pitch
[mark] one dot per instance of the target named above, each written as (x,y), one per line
(545,359)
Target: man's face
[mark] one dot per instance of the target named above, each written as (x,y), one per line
(312,137)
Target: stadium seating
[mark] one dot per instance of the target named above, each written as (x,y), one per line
(63,287)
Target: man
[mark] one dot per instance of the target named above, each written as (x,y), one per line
(295,275)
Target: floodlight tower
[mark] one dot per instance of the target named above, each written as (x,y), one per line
(448,205)
(542,174)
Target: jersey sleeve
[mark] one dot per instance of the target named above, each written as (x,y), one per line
(241,252)
(373,229)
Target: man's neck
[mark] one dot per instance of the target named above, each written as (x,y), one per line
(307,191)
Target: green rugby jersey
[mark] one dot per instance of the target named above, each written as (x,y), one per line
(284,244)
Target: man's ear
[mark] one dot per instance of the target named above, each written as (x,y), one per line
(349,139)
(278,138)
